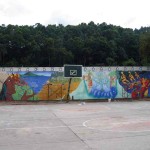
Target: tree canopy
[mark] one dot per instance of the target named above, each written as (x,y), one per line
(86,44)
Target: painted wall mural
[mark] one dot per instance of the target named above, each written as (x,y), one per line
(135,83)
(94,84)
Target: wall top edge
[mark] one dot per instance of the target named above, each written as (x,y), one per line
(61,69)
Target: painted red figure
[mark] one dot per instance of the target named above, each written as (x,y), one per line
(136,93)
(10,83)
(145,85)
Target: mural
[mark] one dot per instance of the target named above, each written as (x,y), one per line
(135,83)
(94,84)
(35,85)
(97,85)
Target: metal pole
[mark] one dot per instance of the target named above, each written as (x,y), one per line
(68,90)
(61,91)
(48,91)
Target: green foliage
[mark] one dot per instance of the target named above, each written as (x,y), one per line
(85,44)
(110,61)
(145,48)
(129,62)
(20,90)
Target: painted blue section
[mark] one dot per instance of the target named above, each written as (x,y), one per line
(148,91)
(111,93)
(36,82)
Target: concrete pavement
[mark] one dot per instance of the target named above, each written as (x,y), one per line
(76,126)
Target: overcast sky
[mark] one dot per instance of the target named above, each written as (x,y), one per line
(125,13)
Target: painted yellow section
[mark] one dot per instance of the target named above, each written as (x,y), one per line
(3,77)
(56,91)
(146,93)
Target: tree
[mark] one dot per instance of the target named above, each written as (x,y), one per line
(129,62)
(3,53)
(145,48)
(86,44)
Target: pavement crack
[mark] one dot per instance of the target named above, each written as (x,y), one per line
(69,127)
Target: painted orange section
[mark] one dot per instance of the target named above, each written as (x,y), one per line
(56,91)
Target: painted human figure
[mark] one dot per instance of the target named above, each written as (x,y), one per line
(137,75)
(88,78)
(131,77)
(145,85)
(123,78)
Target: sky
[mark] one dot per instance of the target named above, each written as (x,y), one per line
(124,13)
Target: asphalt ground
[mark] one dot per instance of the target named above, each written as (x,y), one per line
(75,126)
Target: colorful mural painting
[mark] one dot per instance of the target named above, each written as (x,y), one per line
(94,84)
(135,83)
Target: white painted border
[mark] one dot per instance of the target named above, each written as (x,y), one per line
(61,69)
(109,130)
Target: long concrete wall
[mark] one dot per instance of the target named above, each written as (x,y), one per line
(48,83)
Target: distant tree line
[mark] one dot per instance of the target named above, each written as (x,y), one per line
(86,44)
